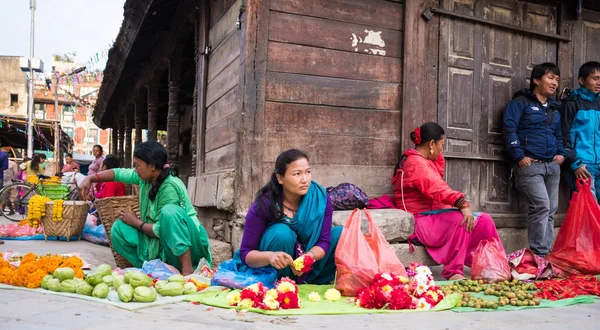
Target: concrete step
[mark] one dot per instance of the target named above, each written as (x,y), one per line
(513,239)
(395,225)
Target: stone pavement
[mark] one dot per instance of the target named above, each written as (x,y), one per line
(31,310)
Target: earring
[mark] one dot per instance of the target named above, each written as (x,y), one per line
(431,151)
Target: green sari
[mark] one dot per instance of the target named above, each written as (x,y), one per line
(174,220)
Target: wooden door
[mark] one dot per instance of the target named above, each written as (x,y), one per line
(480,67)
(586,41)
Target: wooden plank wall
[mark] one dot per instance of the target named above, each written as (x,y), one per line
(333,88)
(222,93)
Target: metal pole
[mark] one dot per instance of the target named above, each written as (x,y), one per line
(57,155)
(32,4)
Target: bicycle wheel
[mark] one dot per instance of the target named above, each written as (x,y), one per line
(14,200)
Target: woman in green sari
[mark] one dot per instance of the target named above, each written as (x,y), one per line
(169,229)
(291,216)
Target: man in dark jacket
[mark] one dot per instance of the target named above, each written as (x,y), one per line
(581,126)
(534,143)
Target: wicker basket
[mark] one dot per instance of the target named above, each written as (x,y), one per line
(108,211)
(72,223)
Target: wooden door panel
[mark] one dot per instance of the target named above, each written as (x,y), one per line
(591,32)
(481,66)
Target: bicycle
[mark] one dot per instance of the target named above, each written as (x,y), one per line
(16,196)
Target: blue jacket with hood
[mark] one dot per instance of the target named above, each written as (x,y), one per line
(581,128)
(532,129)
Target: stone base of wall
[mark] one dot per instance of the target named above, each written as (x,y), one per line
(226,230)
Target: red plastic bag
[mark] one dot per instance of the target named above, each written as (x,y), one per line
(359,257)
(490,264)
(577,247)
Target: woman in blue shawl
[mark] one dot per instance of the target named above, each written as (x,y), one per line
(291,216)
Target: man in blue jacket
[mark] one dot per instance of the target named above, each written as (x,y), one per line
(534,143)
(581,126)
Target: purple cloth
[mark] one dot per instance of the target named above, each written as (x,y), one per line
(256,225)
(95,165)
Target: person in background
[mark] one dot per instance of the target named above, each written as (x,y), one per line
(110,189)
(34,166)
(11,174)
(444,221)
(96,165)
(169,228)
(3,167)
(534,145)
(580,123)
(70,165)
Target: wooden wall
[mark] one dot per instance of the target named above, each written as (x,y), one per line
(222,92)
(333,88)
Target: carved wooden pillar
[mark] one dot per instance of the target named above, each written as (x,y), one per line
(121,152)
(152,105)
(194,142)
(114,139)
(128,128)
(139,109)
(173,112)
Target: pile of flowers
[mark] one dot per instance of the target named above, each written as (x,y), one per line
(36,210)
(570,287)
(33,268)
(284,296)
(398,292)
(304,263)
(57,210)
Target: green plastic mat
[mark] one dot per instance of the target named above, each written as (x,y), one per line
(217,297)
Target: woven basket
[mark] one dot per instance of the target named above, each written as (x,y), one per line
(72,223)
(108,211)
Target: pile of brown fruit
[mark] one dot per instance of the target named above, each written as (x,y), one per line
(514,293)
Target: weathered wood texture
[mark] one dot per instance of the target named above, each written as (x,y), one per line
(223,80)
(480,68)
(333,88)
(248,174)
(586,41)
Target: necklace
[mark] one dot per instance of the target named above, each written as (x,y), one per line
(290,209)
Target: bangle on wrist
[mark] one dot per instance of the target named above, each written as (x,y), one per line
(98,177)
(141,227)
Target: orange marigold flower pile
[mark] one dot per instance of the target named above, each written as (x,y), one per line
(33,268)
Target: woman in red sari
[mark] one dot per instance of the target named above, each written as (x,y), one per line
(444,221)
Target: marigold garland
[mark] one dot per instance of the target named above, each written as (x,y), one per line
(57,210)
(33,268)
(36,210)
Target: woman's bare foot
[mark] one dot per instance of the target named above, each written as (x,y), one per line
(456,277)
(186,272)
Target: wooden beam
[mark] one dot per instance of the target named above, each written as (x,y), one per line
(139,109)
(168,44)
(201,83)
(128,129)
(419,83)
(121,128)
(114,139)
(152,89)
(173,110)
(253,76)
(133,21)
